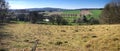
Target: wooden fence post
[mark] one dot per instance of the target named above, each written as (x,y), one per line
(35,46)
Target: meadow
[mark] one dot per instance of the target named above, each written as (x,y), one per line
(95,14)
(19,37)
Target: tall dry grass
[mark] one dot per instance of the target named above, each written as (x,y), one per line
(64,38)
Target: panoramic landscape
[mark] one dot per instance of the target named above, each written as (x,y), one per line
(59,25)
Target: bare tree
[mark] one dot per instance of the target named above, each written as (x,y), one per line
(111,13)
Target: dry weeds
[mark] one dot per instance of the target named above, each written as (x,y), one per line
(64,38)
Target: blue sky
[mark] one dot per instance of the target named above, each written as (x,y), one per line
(66,4)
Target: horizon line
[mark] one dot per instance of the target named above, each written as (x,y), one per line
(59,8)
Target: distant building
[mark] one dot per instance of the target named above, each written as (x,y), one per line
(85,13)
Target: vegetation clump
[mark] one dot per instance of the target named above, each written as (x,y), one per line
(88,45)
(58,43)
(63,31)
(115,39)
(94,36)
(76,30)
(66,42)
(26,40)
(3,49)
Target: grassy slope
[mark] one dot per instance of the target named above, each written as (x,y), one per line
(64,38)
(95,14)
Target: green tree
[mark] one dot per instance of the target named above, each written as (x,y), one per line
(53,19)
(3,11)
(59,20)
(33,16)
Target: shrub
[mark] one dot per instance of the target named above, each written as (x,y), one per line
(88,45)
(3,49)
(93,21)
(76,30)
(77,20)
(81,20)
(64,22)
(94,36)
(58,43)
(58,19)
(26,40)
(66,42)
(50,42)
(63,31)
(35,17)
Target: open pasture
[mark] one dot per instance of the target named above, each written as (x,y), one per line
(61,38)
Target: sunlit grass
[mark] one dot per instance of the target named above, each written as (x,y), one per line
(65,38)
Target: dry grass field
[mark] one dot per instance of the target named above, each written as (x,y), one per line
(21,37)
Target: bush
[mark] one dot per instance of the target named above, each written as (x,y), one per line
(35,17)
(63,31)
(58,43)
(58,19)
(3,49)
(81,20)
(93,21)
(64,22)
(77,20)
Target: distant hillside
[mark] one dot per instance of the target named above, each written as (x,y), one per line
(90,9)
(46,9)
(54,9)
